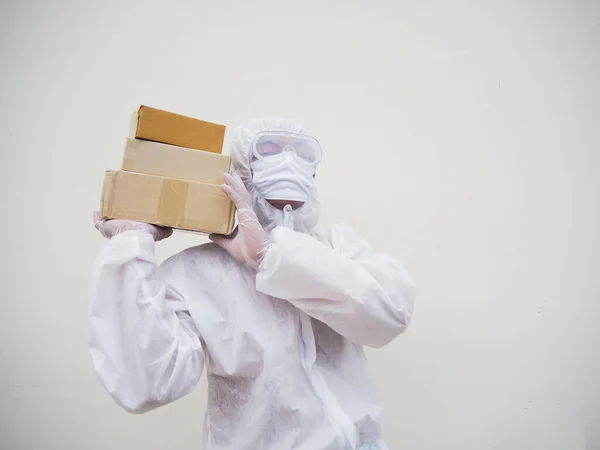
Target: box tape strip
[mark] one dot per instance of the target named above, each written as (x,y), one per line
(171,208)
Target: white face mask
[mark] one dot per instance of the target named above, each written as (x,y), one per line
(283,177)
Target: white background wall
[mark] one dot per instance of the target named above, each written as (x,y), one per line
(461,137)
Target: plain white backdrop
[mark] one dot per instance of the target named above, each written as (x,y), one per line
(461,137)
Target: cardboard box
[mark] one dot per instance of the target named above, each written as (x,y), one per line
(154,158)
(186,205)
(169,128)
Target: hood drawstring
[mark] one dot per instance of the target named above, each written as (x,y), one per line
(288,217)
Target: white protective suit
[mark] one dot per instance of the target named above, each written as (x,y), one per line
(281,346)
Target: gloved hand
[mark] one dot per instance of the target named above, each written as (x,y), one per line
(110,228)
(251,241)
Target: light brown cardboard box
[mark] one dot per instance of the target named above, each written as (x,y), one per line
(169,128)
(186,205)
(154,158)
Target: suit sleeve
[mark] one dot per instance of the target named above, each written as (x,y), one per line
(145,347)
(363,295)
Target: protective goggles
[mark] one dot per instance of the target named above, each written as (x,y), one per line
(273,143)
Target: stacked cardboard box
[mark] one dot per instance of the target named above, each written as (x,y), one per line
(171,175)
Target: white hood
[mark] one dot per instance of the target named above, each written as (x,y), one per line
(302,219)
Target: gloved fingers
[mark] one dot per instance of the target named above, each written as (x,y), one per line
(237,185)
(98,220)
(247,219)
(233,195)
(246,215)
(239,195)
(99,223)
(248,245)
(236,182)
(110,228)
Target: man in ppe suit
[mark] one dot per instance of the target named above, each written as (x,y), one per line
(277,315)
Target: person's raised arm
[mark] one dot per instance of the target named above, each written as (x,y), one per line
(145,347)
(364,296)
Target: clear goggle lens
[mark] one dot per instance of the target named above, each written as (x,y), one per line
(306,148)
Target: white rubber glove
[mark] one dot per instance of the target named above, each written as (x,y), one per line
(250,242)
(110,228)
